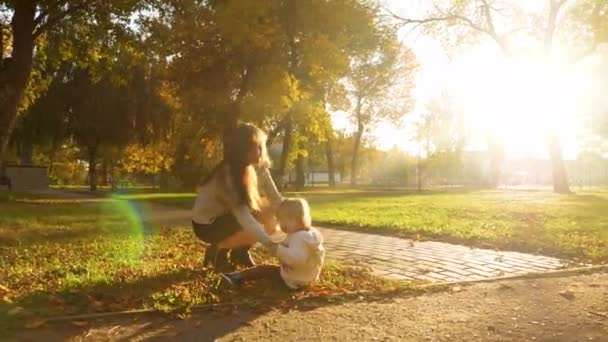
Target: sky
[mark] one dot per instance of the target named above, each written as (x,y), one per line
(505,98)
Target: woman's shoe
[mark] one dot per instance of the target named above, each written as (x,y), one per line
(242,257)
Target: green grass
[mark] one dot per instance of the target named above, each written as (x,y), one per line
(60,258)
(571,226)
(534,221)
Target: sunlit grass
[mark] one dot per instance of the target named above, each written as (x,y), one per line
(534,221)
(573,225)
(79,257)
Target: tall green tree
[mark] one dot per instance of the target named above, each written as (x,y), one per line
(379,86)
(27,22)
(267,62)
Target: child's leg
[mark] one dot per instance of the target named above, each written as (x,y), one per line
(261,271)
(257,272)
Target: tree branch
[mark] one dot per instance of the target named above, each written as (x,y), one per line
(456,17)
(274,132)
(488,16)
(51,20)
(554,8)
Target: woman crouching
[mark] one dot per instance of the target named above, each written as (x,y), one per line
(228,208)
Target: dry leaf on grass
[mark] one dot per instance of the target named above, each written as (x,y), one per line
(568,294)
(35,324)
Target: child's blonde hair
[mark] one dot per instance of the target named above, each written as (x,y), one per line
(295,211)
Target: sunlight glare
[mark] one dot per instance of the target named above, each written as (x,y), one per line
(520,104)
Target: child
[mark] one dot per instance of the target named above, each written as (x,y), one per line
(301,254)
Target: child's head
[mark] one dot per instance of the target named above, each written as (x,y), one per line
(293,215)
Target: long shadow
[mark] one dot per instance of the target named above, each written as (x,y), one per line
(97,297)
(205,324)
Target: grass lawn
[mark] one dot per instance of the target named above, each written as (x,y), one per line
(534,221)
(81,257)
(573,226)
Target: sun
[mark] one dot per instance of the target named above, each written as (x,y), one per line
(520,104)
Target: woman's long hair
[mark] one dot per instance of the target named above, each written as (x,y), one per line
(241,171)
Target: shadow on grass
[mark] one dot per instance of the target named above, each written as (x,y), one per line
(240,307)
(98,297)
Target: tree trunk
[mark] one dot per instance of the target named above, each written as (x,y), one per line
(52,154)
(15,75)
(355,161)
(285,151)
(354,166)
(330,161)
(26,152)
(418,173)
(104,171)
(93,167)
(560,177)
(232,118)
(300,176)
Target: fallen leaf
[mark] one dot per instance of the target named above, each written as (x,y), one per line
(15,311)
(568,294)
(35,324)
(504,287)
(597,313)
(80,323)
(115,328)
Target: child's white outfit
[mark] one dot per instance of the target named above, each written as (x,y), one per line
(301,255)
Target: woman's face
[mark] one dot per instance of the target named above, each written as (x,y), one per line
(255,154)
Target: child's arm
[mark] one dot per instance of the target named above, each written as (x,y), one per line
(295,254)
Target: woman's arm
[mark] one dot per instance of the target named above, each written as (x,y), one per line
(270,190)
(250,224)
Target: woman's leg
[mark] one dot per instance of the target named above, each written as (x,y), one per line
(241,242)
(213,255)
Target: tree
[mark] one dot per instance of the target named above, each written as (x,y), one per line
(270,63)
(321,39)
(502,22)
(442,135)
(30,21)
(379,85)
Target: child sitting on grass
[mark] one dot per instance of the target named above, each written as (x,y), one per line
(301,254)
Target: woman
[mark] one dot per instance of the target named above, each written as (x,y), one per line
(228,201)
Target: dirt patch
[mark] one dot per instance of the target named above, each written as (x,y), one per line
(553,309)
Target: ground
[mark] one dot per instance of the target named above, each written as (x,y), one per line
(72,256)
(571,308)
(88,255)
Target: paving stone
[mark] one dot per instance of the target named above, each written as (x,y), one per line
(433,261)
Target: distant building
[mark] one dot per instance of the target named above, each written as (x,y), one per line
(27,177)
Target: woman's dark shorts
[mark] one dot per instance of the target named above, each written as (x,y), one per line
(218,230)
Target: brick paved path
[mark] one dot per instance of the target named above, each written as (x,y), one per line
(428,260)
(398,258)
